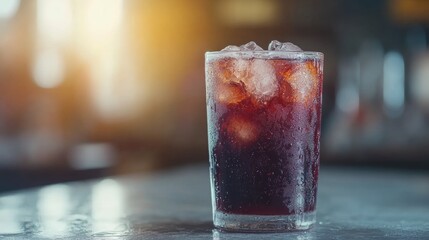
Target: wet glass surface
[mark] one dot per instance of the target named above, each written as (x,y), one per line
(353,204)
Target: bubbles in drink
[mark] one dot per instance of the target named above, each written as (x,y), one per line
(242,130)
(287,46)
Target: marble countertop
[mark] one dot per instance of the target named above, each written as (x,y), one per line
(175,204)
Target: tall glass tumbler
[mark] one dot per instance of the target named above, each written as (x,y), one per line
(264,114)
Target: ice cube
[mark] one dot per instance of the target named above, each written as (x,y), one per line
(240,69)
(279,46)
(242,130)
(250,46)
(230,48)
(261,83)
(303,81)
(230,94)
(232,70)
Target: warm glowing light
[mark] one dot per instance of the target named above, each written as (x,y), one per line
(48,68)
(115,88)
(54,20)
(102,18)
(8,8)
(105,14)
(248,12)
(97,28)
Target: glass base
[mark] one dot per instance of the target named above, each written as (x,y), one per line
(263,223)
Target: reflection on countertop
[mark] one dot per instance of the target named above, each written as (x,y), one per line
(175,204)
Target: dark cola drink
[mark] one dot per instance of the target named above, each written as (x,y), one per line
(264,113)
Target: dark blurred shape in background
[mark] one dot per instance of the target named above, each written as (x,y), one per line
(90,88)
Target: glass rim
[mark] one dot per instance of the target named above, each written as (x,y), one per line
(265,54)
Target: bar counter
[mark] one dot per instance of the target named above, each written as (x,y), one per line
(353,203)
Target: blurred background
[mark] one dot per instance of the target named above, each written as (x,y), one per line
(91,88)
